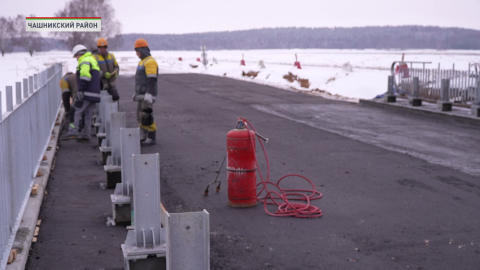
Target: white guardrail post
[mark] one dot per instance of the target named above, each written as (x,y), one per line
(121,198)
(113,165)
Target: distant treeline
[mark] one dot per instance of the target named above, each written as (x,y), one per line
(386,37)
(48,44)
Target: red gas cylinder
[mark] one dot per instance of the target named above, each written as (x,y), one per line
(241,167)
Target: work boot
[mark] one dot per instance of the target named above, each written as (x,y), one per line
(148,142)
(67,137)
(151,135)
(83,138)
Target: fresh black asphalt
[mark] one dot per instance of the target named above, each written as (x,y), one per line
(382,208)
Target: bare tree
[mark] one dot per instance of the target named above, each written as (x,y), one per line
(30,40)
(6,34)
(89,8)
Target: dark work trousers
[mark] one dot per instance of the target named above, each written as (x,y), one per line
(114,93)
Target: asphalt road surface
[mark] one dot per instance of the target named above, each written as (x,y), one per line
(400,190)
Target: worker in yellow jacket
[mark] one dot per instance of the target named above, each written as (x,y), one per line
(109,68)
(146,92)
(88,92)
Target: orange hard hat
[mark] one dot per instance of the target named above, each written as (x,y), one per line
(102,42)
(139,43)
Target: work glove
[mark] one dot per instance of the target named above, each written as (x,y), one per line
(148,98)
(78,103)
(108,75)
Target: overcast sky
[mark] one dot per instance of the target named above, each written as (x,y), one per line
(193,16)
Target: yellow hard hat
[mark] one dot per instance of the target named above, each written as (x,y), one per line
(139,43)
(102,42)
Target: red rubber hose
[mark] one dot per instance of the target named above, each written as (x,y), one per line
(282,197)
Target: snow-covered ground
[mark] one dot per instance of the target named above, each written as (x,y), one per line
(322,68)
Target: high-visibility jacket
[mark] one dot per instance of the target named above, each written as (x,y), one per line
(147,68)
(69,84)
(88,77)
(107,64)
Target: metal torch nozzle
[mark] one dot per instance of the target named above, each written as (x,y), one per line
(261,137)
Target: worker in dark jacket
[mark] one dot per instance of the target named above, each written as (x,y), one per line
(68,85)
(146,92)
(109,68)
(88,92)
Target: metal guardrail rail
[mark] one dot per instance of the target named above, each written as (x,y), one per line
(464,84)
(25,131)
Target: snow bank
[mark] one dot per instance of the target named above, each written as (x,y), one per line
(338,74)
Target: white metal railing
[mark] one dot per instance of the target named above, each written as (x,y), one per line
(464,84)
(25,131)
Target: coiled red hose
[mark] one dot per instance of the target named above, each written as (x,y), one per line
(285,208)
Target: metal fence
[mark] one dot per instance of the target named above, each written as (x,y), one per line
(464,84)
(25,131)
